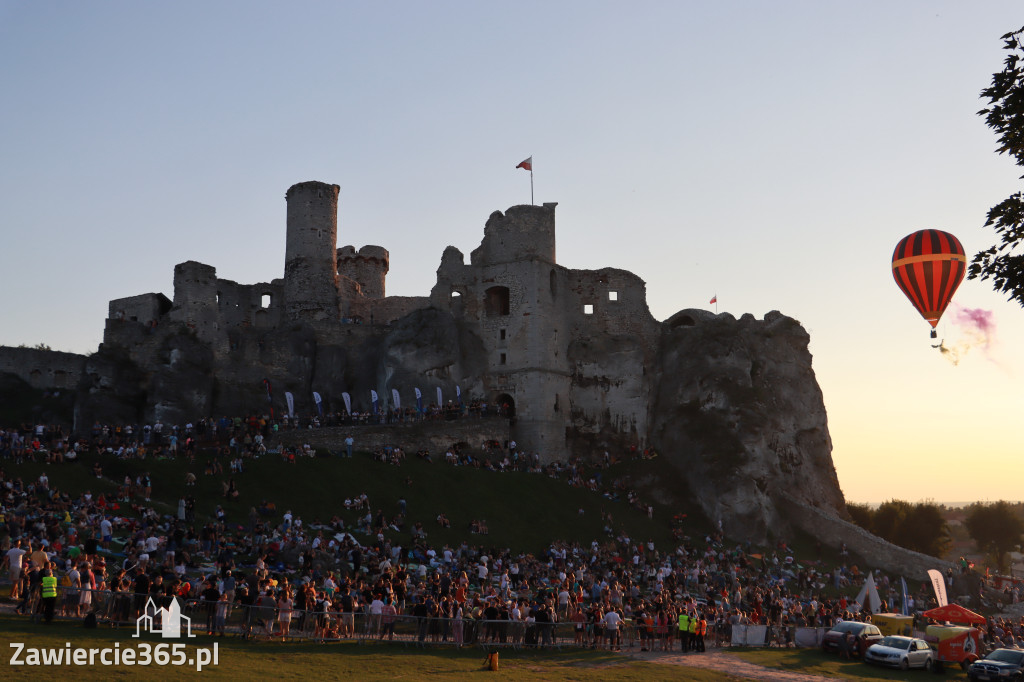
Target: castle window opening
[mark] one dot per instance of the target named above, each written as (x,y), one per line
(456,294)
(613,295)
(553,283)
(501,334)
(265,301)
(588,309)
(503,359)
(218,298)
(496,301)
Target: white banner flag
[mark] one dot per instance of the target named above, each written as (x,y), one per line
(939,585)
(439,400)
(290,399)
(348,402)
(395,399)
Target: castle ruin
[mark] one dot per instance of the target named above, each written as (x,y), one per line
(576,354)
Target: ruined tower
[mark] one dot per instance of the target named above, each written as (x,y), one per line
(513,277)
(196,298)
(368,267)
(310,268)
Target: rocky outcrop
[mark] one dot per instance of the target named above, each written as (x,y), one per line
(737,410)
(832,530)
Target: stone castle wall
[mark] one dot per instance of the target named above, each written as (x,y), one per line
(43,369)
(521,233)
(145,308)
(386,310)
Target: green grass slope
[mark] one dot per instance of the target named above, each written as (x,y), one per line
(523,511)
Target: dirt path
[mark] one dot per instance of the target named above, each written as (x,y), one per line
(726,663)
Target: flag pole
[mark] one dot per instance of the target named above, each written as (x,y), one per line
(531,184)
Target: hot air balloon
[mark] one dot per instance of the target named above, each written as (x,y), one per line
(928,266)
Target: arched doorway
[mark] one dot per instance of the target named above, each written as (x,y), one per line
(506,405)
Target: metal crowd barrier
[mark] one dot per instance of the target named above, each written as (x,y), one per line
(129,610)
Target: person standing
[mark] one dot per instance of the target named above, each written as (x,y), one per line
(285,607)
(612,620)
(49,595)
(684,630)
(348,444)
(13,559)
(210,596)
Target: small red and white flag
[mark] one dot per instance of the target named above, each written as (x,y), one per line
(714,299)
(527,164)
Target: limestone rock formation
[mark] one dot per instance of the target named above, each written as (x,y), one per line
(739,412)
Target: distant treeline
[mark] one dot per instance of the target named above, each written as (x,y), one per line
(995,527)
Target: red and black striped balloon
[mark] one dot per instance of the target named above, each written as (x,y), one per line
(928,266)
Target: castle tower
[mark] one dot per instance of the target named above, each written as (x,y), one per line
(368,267)
(310,268)
(522,324)
(196,298)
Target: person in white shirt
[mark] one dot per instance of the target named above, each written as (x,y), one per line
(376,609)
(481,573)
(612,620)
(13,559)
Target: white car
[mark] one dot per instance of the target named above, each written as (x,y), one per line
(901,652)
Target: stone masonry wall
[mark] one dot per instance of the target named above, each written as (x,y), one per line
(145,308)
(43,369)
(310,265)
(435,436)
(368,267)
(521,233)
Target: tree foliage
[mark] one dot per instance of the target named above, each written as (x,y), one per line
(920,527)
(1003,263)
(995,528)
(861,514)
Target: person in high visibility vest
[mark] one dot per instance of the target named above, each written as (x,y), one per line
(693,632)
(702,630)
(49,595)
(684,630)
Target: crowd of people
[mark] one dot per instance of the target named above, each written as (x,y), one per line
(60,550)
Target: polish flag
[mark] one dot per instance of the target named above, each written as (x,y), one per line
(527,164)
(713,300)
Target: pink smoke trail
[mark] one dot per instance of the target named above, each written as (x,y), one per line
(977,319)
(978,327)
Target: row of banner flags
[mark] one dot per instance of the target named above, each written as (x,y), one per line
(869,592)
(396,400)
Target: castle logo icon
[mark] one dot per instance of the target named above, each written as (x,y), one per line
(165,621)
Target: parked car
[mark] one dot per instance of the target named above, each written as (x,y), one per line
(1001,664)
(901,652)
(865,635)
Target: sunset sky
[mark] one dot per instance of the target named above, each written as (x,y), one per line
(770,153)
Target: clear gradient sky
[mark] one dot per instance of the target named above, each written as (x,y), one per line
(771,153)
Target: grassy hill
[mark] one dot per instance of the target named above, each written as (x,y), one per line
(523,511)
